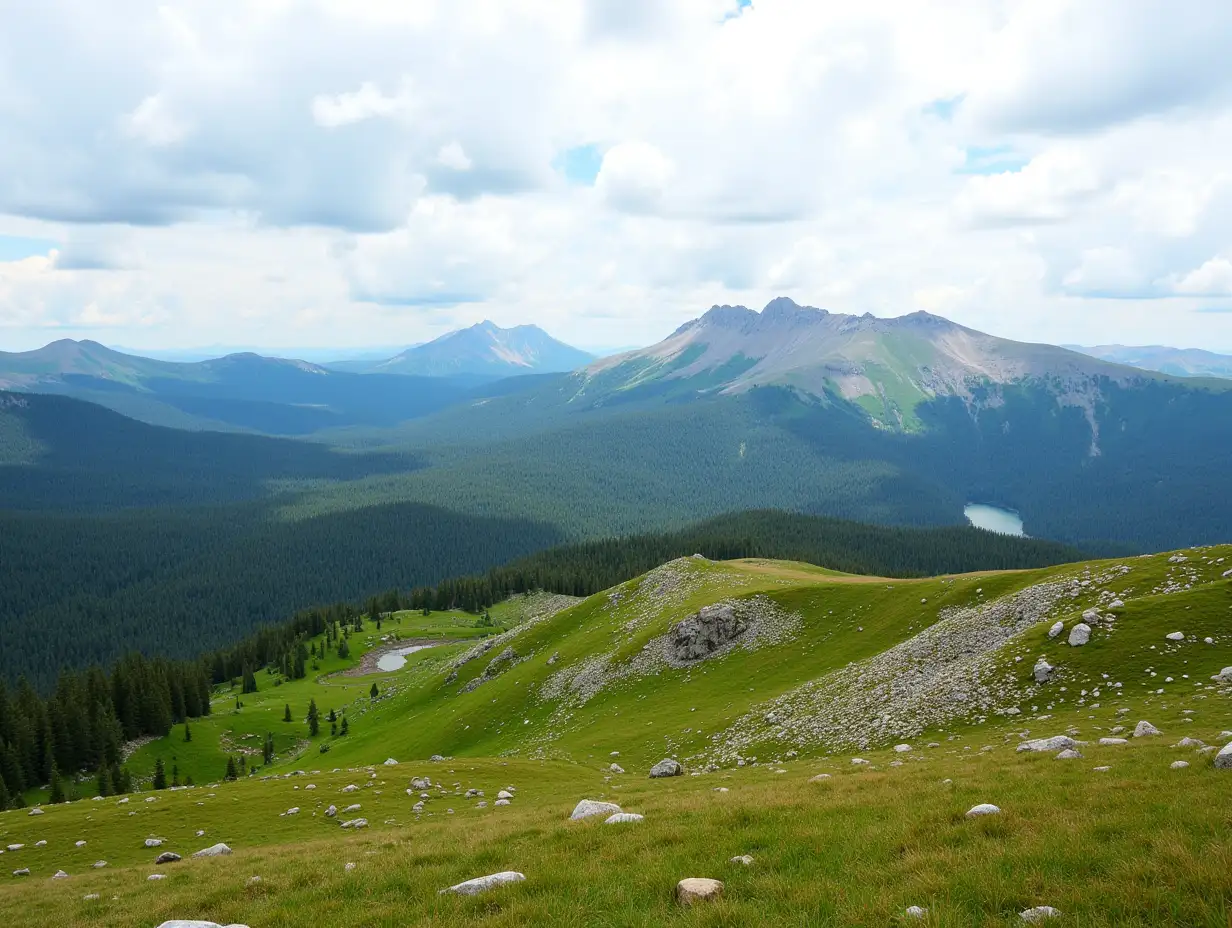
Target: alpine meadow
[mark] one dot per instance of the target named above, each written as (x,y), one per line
(615,463)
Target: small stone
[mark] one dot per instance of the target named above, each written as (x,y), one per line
(153,842)
(622,818)
(1144,729)
(1179,764)
(1069,754)
(99,864)
(1056,629)
(349,867)
(1039,913)
(254,880)
(154,877)
(697,889)
(745,860)
(915,911)
(858,761)
(616,768)
(902,748)
(1055,743)
(90,897)
(1175,636)
(820,778)
(1110,741)
(984,808)
(24,871)
(480,884)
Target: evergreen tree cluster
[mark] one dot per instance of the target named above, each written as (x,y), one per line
(82,725)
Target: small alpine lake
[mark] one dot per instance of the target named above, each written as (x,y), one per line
(992,519)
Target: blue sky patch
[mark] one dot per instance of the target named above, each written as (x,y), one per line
(579,165)
(16,247)
(995,159)
(943,109)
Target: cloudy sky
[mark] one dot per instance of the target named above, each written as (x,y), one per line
(375,172)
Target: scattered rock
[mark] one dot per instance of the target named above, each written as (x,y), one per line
(167,857)
(858,761)
(214,850)
(1079,635)
(1043,671)
(1039,913)
(902,748)
(698,889)
(1143,729)
(153,842)
(35,811)
(1056,629)
(1175,636)
(1179,764)
(1224,676)
(390,762)
(1069,754)
(24,871)
(420,783)
(621,818)
(1110,741)
(99,864)
(820,778)
(90,897)
(616,768)
(666,768)
(480,884)
(349,867)
(589,808)
(1055,743)
(915,911)
(745,860)
(1223,760)
(331,811)
(504,794)
(1190,743)
(59,875)
(984,808)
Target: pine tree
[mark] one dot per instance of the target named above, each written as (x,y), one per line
(175,774)
(314,718)
(57,789)
(345,727)
(160,775)
(267,750)
(344,650)
(333,729)
(103,786)
(187,733)
(333,716)
(4,796)
(231,773)
(374,692)
(286,715)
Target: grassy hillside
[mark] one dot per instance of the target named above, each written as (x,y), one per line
(1114,837)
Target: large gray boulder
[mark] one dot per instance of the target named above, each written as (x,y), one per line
(1144,729)
(984,808)
(1043,671)
(1224,676)
(1056,629)
(1223,760)
(167,857)
(589,808)
(1079,635)
(1039,913)
(666,768)
(703,633)
(479,884)
(698,889)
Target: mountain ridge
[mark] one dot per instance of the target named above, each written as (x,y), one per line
(486,348)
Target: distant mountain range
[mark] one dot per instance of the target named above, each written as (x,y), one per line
(484,350)
(1181,362)
(244,392)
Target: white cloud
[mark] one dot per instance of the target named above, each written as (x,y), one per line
(634,176)
(368,102)
(321,170)
(454,157)
(1213,278)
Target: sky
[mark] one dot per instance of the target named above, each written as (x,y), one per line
(367,172)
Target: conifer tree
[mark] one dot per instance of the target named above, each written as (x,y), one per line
(374,692)
(103,786)
(187,733)
(344,649)
(286,714)
(4,796)
(56,795)
(231,773)
(160,775)
(345,727)
(314,718)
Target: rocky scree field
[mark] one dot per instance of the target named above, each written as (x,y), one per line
(833,732)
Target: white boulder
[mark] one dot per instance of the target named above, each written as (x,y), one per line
(589,808)
(1039,913)
(1079,635)
(984,808)
(1056,629)
(482,883)
(1144,729)
(1055,743)
(214,850)
(1175,636)
(621,818)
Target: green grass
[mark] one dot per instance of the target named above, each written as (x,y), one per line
(1139,844)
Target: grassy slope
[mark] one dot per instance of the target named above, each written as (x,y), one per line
(1139,844)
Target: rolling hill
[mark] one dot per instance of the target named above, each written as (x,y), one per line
(1180,362)
(244,392)
(485,349)
(830,726)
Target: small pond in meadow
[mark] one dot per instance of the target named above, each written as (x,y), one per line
(396,660)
